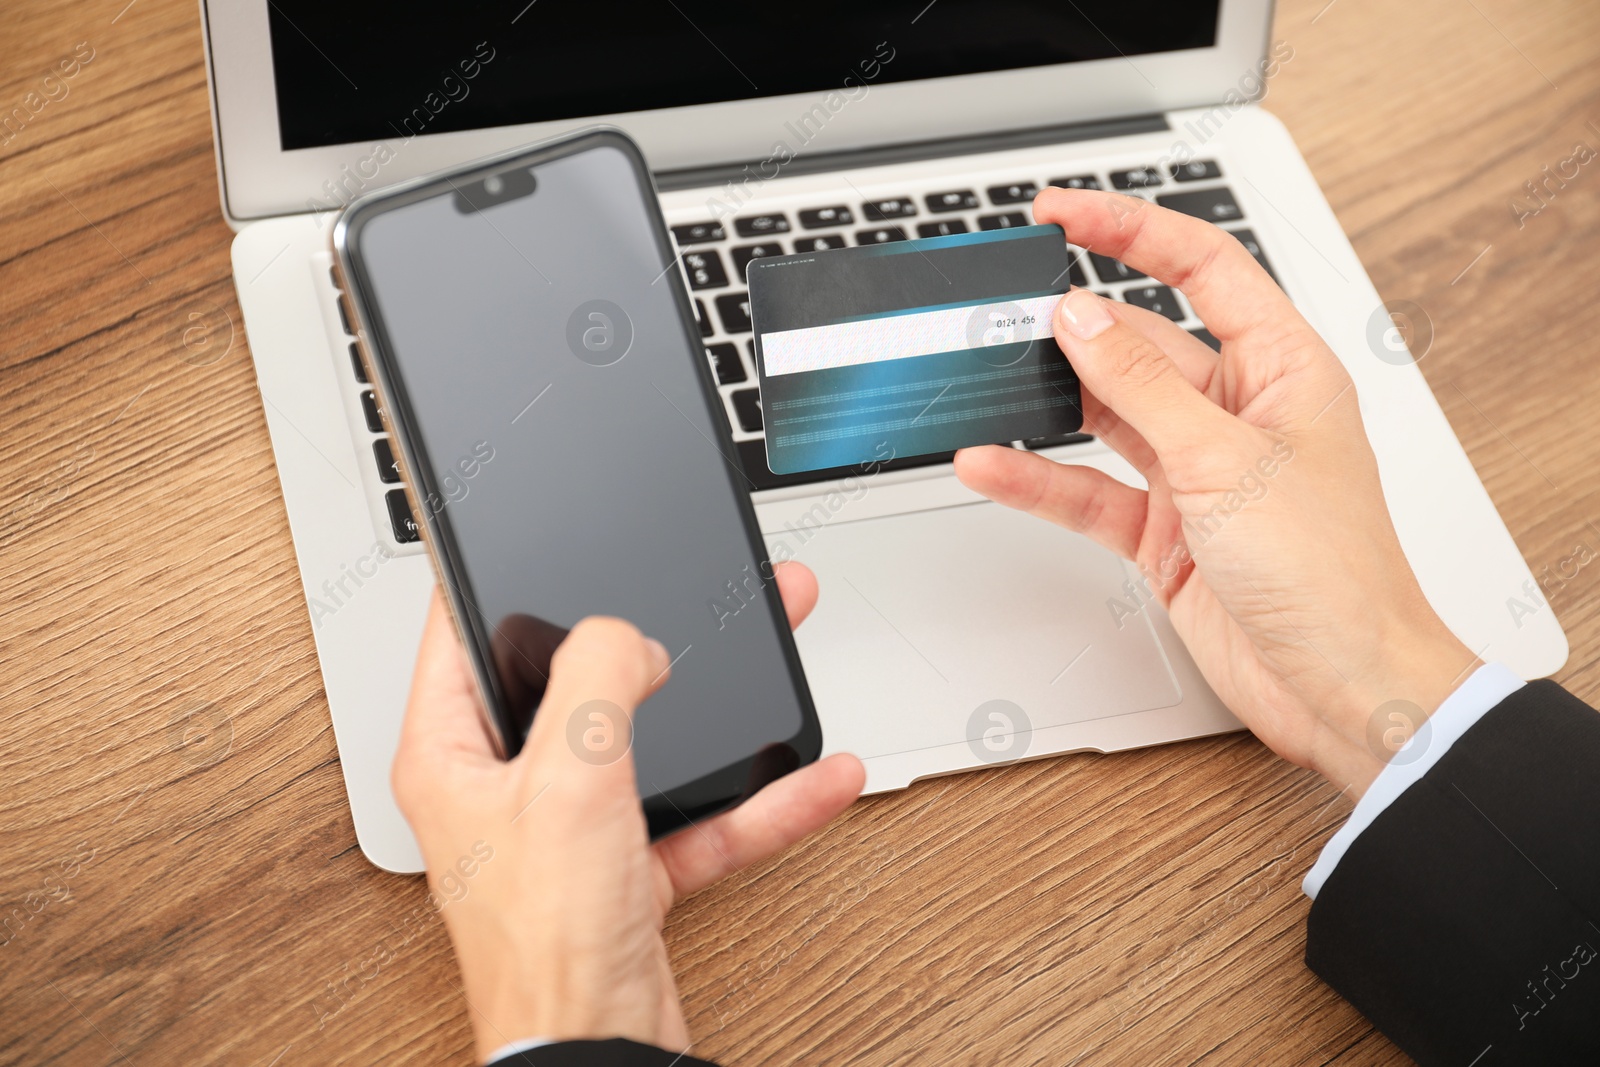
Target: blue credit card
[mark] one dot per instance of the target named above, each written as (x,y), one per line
(911,347)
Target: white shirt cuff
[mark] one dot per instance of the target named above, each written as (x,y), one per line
(525,1045)
(1485,688)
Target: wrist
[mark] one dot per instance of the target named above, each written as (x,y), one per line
(540,997)
(1413,668)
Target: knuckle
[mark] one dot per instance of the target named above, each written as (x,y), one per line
(1135,360)
(1034,489)
(1090,510)
(1213,243)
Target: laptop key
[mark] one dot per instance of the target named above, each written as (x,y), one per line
(1195,170)
(743,255)
(881,235)
(820,218)
(734,310)
(761,225)
(747,407)
(1213,205)
(1075,271)
(698,233)
(1004,221)
(1076,181)
(819,244)
(1251,245)
(942,228)
(1113,270)
(700,317)
(1016,193)
(704,268)
(898,207)
(954,200)
(361,368)
(405,527)
(370,409)
(725,361)
(1157,298)
(753,458)
(1137,178)
(388,469)
(1209,338)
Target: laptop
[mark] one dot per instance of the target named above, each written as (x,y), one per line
(951,633)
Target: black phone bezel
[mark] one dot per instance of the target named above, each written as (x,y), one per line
(666,811)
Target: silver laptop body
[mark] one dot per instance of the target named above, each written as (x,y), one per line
(951,633)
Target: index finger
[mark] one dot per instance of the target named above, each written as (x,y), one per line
(1230,291)
(781,813)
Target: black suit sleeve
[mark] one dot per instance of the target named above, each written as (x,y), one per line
(615,1052)
(1465,921)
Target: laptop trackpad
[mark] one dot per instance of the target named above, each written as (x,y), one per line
(926,618)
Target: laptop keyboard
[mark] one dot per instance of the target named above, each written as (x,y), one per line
(714,262)
(381,476)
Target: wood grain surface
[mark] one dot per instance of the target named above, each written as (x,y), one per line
(172,820)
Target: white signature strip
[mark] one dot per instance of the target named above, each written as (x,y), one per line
(922,333)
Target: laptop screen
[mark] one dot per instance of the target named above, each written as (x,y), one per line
(366,70)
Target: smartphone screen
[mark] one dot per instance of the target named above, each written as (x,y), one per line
(534,345)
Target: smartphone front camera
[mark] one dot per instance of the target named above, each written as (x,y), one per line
(495,190)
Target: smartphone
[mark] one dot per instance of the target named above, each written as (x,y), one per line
(565,453)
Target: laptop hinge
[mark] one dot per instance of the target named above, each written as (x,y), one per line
(692,177)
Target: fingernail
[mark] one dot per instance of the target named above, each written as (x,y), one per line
(658,653)
(1083,314)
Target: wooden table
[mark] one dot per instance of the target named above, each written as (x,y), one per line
(1138,908)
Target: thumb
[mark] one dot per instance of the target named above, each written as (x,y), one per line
(1131,375)
(598,676)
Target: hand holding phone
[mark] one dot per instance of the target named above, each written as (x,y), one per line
(541,867)
(529,309)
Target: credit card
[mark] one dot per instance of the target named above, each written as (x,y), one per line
(911,347)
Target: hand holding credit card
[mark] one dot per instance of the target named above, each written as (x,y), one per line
(912,347)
